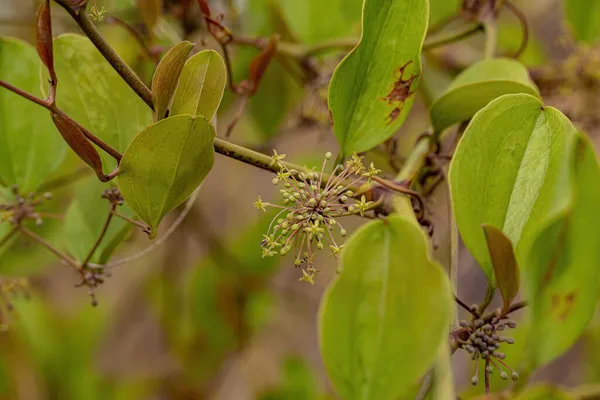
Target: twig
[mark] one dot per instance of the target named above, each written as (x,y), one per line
(238,115)
(487,318)
(87,26)
(100,237)
(48,246)
(8,236)
(50,106)
(453,37)
(144,227)
(465,307)
(188,206)
(524,27)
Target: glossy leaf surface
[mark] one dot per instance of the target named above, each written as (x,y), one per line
(384,318)
(476,86)
(201,85)
(164,165)
(30,146)
(506,170)
(373,88)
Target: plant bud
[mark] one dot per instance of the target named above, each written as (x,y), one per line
(503,375)
(328,156)
(514,376)
(343,232)
(474,381)
(489,369)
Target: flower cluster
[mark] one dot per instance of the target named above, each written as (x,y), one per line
(483,342)
(312,203)
(22,208)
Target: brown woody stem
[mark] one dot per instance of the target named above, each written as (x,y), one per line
(87,26)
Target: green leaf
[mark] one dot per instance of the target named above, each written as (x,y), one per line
(506,170)
(306,18)
(94,95)
(476,86)
(166,76)
(164,165)
(383,320)
(372,89)
(85,219)
(583,17)
(506,269)
(30,146)
(201,85)
(563,277)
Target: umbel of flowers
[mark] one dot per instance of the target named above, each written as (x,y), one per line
(312,204)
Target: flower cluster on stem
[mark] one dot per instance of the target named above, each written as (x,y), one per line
(308,218)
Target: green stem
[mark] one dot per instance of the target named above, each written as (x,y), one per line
(416,161)
(87,26)
(453,37)
(491,37)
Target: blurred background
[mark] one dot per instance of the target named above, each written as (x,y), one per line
(203,316)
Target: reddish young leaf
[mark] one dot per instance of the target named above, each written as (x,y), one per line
(166,77)
(79,143)
(506,269)
(259,64)
(204,7)
(44,38)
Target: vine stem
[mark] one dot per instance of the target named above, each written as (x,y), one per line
(302,52)
(100,237)
(77,12)
(51,106)
(35,237)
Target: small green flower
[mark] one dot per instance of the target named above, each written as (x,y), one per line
(363,205)
(307,277)
(260,205)
(98,14)
(371,172)
(276,158)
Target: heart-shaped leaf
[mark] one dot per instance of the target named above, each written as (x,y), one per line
(373,88)
(506,170)
(506,269)
(562,275)
(201,85)
(476,86)
(164,165)
(383,320)
(30,146)
(95,96)
(85,219)
(166,76)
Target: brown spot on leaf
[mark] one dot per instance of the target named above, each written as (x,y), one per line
(568,305)
(400,92)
